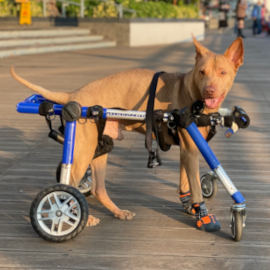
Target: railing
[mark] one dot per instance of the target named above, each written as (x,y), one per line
(121,9)
(65,3)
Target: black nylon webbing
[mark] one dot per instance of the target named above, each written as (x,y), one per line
(150,111)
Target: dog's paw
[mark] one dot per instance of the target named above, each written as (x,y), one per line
(125,215)
(92,221)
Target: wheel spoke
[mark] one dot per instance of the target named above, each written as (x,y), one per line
(50,202)
(42,212)
(70,215)
(53,226)
(67,200)
(60,226)
(70,223)
(57,201)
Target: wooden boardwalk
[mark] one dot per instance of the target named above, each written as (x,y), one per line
(161,236)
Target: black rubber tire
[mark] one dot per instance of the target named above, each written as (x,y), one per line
(58,173)
(237,225)
(83,207)
(209,186)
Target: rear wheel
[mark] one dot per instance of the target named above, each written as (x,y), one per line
(59,213)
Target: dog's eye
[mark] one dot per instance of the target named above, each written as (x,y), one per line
(202,72)
(223,72)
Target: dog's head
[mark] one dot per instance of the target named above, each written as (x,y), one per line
(214,73)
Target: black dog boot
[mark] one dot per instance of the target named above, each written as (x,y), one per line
(204,220)
(185,199)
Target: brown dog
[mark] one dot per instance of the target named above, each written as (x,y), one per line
(210,80)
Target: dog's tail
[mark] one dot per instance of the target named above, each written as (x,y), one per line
(58,97)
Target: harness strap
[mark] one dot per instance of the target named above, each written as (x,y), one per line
(105,143)
(95,112)
(212,133)
(149,122)
(159,130)
(62,126)
(46,109)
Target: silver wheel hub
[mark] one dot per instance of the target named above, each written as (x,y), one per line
(59,213)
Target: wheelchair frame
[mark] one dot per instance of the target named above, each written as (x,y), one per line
(71,206)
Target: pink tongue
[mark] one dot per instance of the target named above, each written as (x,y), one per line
(211,103)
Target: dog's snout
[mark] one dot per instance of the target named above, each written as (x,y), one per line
(210,90)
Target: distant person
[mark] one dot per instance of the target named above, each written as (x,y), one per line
(240,16)
(267,21)
(224,8)
(257,18)
(264,16)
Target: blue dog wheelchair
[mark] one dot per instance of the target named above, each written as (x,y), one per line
(60,212)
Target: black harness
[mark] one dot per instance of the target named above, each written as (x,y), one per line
(70,110)
(154,125)
(153,159)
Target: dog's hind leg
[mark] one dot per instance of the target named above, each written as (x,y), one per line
(98,166)
(85,146)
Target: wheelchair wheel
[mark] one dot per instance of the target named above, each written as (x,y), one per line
(209,185)
(59,213)
(237,225)
(84,185)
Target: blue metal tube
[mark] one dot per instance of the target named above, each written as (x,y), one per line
(203,146)
(213,163)
(28,107)
(70,131)
(31,105)
(84,111)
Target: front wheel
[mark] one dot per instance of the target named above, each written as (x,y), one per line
(59,213)
(237,221)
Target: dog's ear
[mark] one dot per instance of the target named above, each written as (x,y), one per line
(200,49)
(235,53)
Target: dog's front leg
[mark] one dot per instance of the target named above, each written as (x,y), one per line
(189,174)
(189,158)
(98,166)
(189,168)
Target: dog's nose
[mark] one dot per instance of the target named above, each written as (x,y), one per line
(210,90)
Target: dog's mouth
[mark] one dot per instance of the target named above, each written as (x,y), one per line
(213,103)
